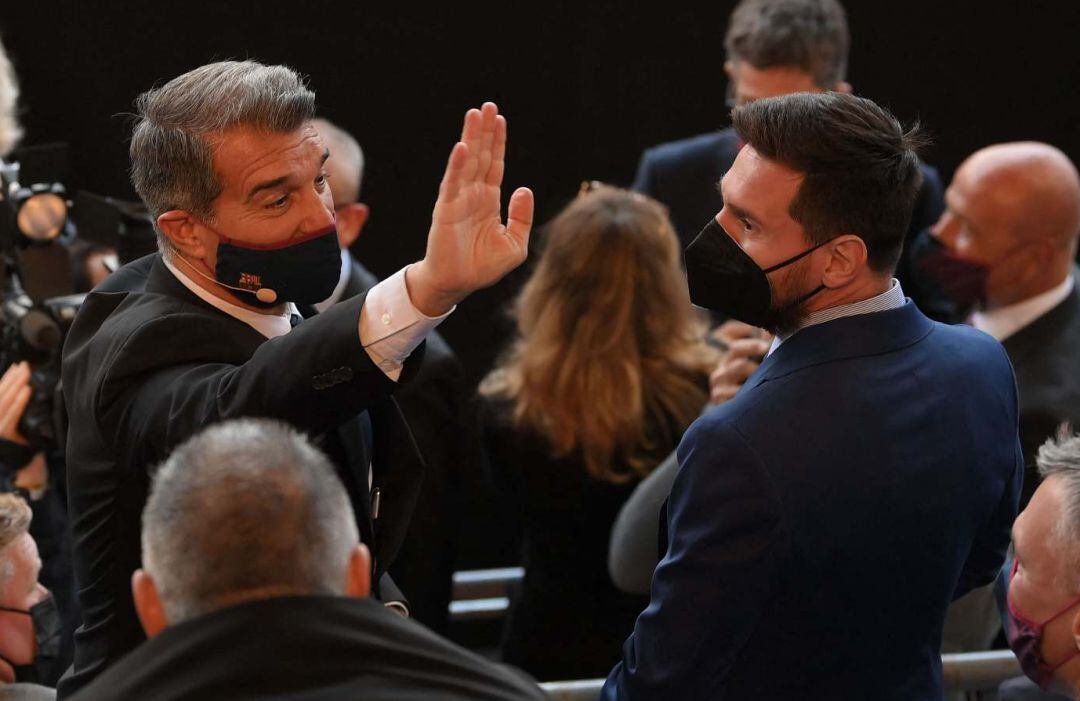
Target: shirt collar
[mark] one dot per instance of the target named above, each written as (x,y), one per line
(269,325)
(889,299)
(343,281)
(1005,321)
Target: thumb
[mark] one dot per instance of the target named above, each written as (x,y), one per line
(520,216)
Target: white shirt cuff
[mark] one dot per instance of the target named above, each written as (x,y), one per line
(390,326)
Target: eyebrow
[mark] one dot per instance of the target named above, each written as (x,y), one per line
(279,181)
(736,210)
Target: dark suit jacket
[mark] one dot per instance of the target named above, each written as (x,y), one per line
(315,648)
(146,365)
(684,174)
(1046,356)
(434,405)
(567,620)
(823,520)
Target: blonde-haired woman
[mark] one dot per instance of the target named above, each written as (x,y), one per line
(609,369)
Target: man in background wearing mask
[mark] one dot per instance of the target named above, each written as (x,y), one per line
(229,165)
(866,475)
(29,624)
(1007,249)
(1042,615)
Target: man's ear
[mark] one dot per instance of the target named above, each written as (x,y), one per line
(358,575)
(148,604)
(843,86)
(847,256)
(350,221)
(181,228)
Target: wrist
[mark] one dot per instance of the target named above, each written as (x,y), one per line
(428,298)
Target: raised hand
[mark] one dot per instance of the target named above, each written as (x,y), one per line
(469,247)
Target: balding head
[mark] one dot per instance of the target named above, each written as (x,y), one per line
(346,169)
(1015,208)
(1034,187)
(346,162)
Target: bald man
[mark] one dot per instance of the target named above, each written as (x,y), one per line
(1009,238)
(434,405)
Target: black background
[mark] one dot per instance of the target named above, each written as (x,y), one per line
(585,88)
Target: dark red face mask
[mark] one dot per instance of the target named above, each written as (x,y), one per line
(960,280)
(1025,639)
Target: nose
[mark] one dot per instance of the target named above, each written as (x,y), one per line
(319,212)
(944,230)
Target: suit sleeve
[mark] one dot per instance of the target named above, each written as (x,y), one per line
(314,378)
(645,180)
(632,550)
(988,552)
(725,547)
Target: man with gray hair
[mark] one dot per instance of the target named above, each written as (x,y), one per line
(230,166)
(255,582)
(1042,615)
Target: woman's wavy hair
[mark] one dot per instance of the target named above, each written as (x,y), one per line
(611,357)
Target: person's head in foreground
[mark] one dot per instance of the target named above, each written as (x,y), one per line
(816,207)
(29,626)
(608,339)
(1010,226)
(1043,615)
(776,47)
(245,510)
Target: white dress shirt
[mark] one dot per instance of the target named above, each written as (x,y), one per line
(390,326)
(1005,321)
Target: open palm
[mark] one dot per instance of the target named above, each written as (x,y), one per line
(469,247)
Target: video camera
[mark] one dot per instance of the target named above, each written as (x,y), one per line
(37,300)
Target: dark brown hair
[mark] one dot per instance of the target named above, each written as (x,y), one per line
(860,167)
(811,35)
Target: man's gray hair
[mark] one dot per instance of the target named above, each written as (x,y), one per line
(811,35)
(10,131)
(247,509)
(180,123)
(1060,457)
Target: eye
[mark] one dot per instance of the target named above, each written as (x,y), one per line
(279,203)
(746,223)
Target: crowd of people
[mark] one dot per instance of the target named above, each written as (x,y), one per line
(788,418)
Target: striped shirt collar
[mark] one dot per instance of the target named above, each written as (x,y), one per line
(889,299)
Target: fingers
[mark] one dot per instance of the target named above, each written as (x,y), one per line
(455,170)
(747,348)
(489,115)
(11,413)
(520,216)
(471,137)
(732,330)
(498,153)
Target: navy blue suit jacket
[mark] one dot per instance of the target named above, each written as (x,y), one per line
(823,519)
